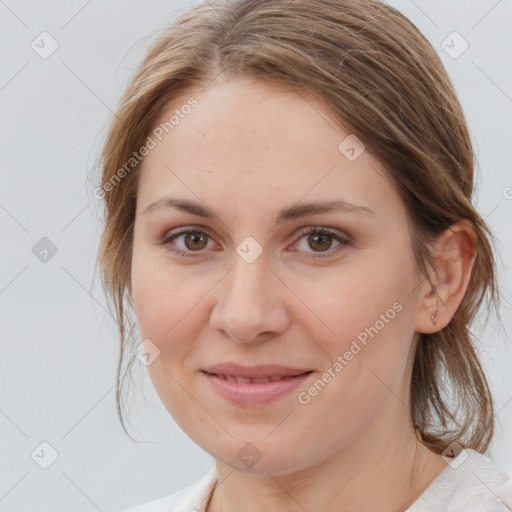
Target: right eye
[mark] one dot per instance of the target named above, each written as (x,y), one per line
(186,241)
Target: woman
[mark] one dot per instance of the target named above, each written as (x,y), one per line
(288,212)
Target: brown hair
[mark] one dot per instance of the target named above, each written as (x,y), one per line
(380,76)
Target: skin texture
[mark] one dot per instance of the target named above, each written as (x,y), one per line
(247,150)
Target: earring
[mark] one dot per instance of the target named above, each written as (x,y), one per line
(433,319)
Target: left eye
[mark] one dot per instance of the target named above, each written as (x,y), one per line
(321,240)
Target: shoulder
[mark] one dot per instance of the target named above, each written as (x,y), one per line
(188,499)
(470,483)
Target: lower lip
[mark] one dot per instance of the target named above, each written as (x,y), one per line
(250,393)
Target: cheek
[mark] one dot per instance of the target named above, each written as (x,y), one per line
(348,303)
(155,298)
(166,306)
(169,305)
(154,290)
(371,313)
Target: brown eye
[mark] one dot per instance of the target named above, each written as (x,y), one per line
(320,241)
(186,242)
(195,240)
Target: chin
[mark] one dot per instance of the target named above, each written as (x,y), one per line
(260,457)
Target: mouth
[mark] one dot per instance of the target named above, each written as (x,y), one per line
(245,380)
(246,385)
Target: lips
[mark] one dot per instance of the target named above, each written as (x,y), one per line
(269,372)
(245,380)
(250,385)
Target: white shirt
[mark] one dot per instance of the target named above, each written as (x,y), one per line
(471,483)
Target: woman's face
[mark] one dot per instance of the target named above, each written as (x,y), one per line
(324,320)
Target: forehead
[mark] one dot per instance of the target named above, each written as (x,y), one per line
(250,139)
(244,116)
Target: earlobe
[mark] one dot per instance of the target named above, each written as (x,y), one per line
(454,253)
(427,317)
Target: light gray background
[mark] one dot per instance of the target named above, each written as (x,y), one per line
(59,345)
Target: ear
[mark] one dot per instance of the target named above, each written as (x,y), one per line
(454,252)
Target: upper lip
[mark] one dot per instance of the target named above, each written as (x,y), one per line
(255,372)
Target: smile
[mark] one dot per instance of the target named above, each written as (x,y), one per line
(255,385)
(245,380)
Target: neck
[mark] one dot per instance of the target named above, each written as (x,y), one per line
(383,470)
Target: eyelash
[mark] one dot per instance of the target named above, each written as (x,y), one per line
(343,240)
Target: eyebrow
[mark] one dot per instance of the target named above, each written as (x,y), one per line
(287,214)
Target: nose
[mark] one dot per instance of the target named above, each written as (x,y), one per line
(250,303)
